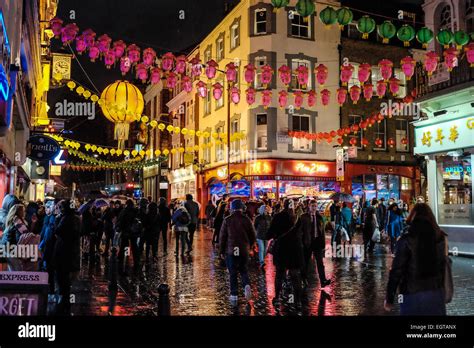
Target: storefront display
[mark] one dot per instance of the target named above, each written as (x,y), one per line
(377,186)
(310,189)
(240,188)
(264,188)
(182,181)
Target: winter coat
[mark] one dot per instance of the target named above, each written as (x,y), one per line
(48,237)
(165,216)
(370,223)
(8,202)
(126,220)
(289,241)
(394,226)
(152,226)
(193,209)
(209,209)
(180,226)
(220,215)
(66,255)
(382,215)
(262,224)
(236,232)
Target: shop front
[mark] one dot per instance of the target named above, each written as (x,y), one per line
(181,182)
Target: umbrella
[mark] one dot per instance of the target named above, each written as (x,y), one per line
(84,207)
(99,203)
(342,197)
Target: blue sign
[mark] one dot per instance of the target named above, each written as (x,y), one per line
(42,148)
(4,85)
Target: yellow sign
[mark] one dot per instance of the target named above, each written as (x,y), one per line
(453,134)
(312,168)
(55,170)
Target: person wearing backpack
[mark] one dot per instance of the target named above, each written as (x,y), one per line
(181,220)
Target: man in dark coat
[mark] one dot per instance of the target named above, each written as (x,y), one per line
(193,209)
(165,219)
(125,221)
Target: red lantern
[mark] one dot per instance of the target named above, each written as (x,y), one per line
(109,58)
(80,44)
(202,89)
(380,117)
(282,99)
(249,73)
(133,52)
(469,49)
(341,96)
(187,84)
(217,92)
(391,142)
(56,26)
(346,73)
(340,141)
(302,75)
(450,58)
(404,141)
(167,61)
(69,32)
(171,80)
(211,69)
(94,52)
(394,85)
(333,134)
(321,74)
(266,76)
(180,67)
(368,90)
(364,142)
(353,141)
(386,68)
(381,88)
(266,98)
(250,95)
(340,132)
(125,65)
(142,72)
(89,37)
(235,95)
(299,99)
(119,48)
(431,62)
(325,97)
(196,67)
(372,120)
(231,72)
(363,124)
(104,42)
(312,98)
(285,74)
(155,75)
(378,142)
(355,128)
(347,131)
(408,66)
(355,94)
(364,72)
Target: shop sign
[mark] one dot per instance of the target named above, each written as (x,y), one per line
(42,148)
(340,164)
(445,136)
(55,170)
(261,168)
(312,168)
(183,174)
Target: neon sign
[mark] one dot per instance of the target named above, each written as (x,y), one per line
(4,85)
(312,168)
(261,168)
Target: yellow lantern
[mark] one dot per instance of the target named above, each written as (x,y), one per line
(206,135)
(134,153)
(215,135)
(148,152)
(118,152)
(80,90)
(173,151)
(94,148)
(94,98)
(126,153)
(181,149)
(71,85)
(191,132)
(106,151)
(196,148)
(222,135)
(166,152)
(145,119)
(198,133)
(177,130)
(157,153)
(99,150)
(112,152)
(86,94)
(128,102)
(170,128)
(153,124)
(184,131)
(142,153)
(161,126)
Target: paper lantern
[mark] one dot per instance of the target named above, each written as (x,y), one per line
(266,75)
(56,25)
(325,97)
(250,95)
(68,33)
(299,99)
(180,67)
(354,92)
(378,142)
(364,72)
(217,92)
(353,141)
(404,141)
(202,89)
(381,88)
(365,25)
(355,128)
(249,73)
(235,95)
(133,52)
(368,91)
(408,66)
(266,98)
(346,73)
(340,141)
(341,96)
(149,56)
(469,49)
(89,37)
(344,17)
(394,85)
(431,62)
(118,48)
(142,72)
(167,61)
(94,53)
(103,43)
(391,142)
(277,4)
(109,58)
(302,76)
(211,69)
(424,36)
(364,142)
(333,134)
(231,72)
(312,98)
(171,80)
(285,74)
(328,16)
(386,68)
(386,30)
(80,44)
(305,8)
(461,38)
(406,33)
(155,75)
(450,58)
(196,67)
(321,74)
(187,84)
(445,37)
(282,99)
(379,117)
(340,132)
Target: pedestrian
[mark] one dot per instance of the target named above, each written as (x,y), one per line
(181,219)
(8,202)
(394,225)
(165,220)
(218,220)
(66,253)
(125,225)
(141,217)
(332,215)
(152,229)
(236,238)
(210,207)
(314,242)
(346,220)
(419,266)
(107,217)
(47,243)
(193,209)
(381,213)
(262,224)
(370,224)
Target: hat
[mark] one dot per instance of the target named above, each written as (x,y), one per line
(237,204)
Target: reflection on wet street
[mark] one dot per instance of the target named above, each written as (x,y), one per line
(199,286)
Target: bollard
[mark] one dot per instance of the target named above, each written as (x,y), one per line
(113,269)
(164,300)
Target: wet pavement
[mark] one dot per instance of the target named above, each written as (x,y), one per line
(199,286)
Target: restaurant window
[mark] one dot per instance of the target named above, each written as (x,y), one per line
(301,123)
(356,119)
(235,35)
(300,28)
(220,147)
(401,134)
(260,21)
(207,103)
(380,132)
(259,62)
(262,132)
(220,47)
(235,145)
(295,63)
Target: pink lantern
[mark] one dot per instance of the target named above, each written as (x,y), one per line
(431,62)
(119,48)
(386,66)
(250,95)
(202,89)
(217,92)
(364,72)
(109,58)
(125,65)
(354,91)
(394,85)
(196,67)
(104,42)
(266,98)
(346,73)
(368,90)
(171,80)
(321,74)
(235,95)
(142,72)
(133,52)
(381,88)
(80,44)
(312,98)
(56,26)
(450,58)
(187,84)
(180,67)
(266,76)
(149,56)
(325,97)
(89,37)
(249,73)
(69,32)
(469,49)
(285,74)
(211,69)
(155,75)
(302,75)
(167,61)
(94,52)
(231,72)
(299,99)
(408,66)
(282,99)
(341,96)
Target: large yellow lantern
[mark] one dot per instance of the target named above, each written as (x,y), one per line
(122,103)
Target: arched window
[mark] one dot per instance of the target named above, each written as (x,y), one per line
(469,16)
(445,18)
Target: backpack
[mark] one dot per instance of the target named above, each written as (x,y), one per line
(183,218)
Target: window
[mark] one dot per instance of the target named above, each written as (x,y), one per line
(235,145)
(207,103)
(259,62)
(220,48)
(220,148)
(354,81)
(375,76)
(190,112)
(356,119)
(300,28)
(380,132)
(235,35)
(401,133)
(207,54)
(260,21)
(406,184)
(295,63)
(301,123)
(445,18)
(261,132)
(398,73)
(469,16)
(220,102)
(207,151)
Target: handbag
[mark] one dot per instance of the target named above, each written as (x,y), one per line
(376,235)
(448,277)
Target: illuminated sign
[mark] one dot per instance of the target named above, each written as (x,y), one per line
(222,172)
(41,148)
(261,167)
(4,84)
(313,168)
(57,160)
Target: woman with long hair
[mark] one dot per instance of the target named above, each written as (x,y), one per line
(419,265)
(15,225)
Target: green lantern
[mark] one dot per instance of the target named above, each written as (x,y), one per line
(365,25)
(445,37)
(406,33)
(425,36)
(344,17)
(305,8)
(328,16)
(387,30)
(278,4)
(461,38)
